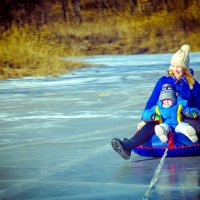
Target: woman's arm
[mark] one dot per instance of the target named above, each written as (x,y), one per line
(154,95)
(148,114)
(196,99)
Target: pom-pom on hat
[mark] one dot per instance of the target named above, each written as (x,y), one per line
(181,57)
(167,93)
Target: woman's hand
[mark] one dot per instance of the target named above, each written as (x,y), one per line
(141,124)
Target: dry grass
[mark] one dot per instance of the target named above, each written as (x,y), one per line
(27,51)
(157,33)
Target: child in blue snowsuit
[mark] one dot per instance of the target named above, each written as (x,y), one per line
(168,112)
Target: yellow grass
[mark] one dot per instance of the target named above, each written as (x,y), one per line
(158,33)
(27,51)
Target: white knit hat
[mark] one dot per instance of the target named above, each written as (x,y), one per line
(181,57)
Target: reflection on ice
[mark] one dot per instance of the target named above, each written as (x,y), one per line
(55,134)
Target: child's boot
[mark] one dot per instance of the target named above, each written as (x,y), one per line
(187,130)
(162,131)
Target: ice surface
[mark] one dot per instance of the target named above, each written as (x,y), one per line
(55,134)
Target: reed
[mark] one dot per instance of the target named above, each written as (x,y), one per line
(27,51)
(125,34)
(31,51)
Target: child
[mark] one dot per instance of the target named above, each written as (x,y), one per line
(168,112)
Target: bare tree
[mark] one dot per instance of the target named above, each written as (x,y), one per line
(133,3)
(198,4)
(186,3)
(115,6)
(64,5)
(77,9)
(143,5)
(165,5)
(29,7)
(100,5)
(155,4)
(6,16)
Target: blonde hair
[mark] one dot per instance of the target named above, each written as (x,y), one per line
(188,76)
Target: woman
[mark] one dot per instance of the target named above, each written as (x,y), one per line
(181,79)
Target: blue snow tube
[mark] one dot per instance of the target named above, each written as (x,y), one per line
(178,146)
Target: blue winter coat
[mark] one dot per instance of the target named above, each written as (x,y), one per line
(172,115)
(181,87)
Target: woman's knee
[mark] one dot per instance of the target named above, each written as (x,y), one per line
(194,123)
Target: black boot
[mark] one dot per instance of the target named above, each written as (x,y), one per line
(122,148)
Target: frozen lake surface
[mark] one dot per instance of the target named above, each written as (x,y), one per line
(55,134)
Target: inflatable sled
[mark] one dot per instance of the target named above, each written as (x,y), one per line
(178,146)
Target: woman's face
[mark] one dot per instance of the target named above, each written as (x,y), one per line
(178,71)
